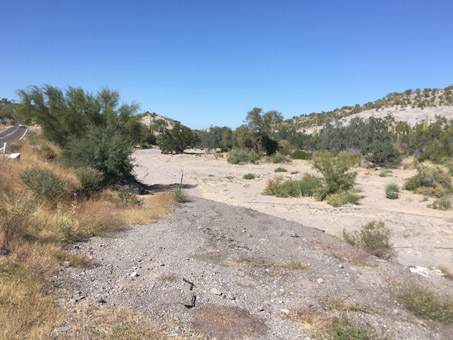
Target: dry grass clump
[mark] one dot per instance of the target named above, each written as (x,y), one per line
(122,324)
(374,238)
(320,326)
(27,310)
(427,305)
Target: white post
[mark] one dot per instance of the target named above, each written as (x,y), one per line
(4,148)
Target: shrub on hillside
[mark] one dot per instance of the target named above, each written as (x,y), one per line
(241,156)
(280,170)
(383,154)
(45,152)
(301,154)
(43,183)
(430,181)
(91,179)
(105,150)
(249,176)
(373,238)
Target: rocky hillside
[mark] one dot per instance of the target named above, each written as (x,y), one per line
(411,106)
(157,122)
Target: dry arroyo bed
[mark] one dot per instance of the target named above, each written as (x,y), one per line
(224,272)
(422,236)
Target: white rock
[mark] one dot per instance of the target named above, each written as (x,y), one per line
(215,291)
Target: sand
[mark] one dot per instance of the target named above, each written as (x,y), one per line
(422,236)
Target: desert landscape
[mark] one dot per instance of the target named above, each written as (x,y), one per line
(423,237)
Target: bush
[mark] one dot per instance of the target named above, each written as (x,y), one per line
(128,196)
(241,156)
(427,305)
(280,170)
(300,154)
(385,173)
(373,238)
(278,158)
(43,183)
(45,152)
(304,187)
(105,150)
(334,170)
(430,181)
(392,191)
(176,140)
(91,180)
(443,203)
(179,195)
(249,176)
(383,153)
(341,198)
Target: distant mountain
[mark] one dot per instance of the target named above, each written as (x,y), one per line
(411,106)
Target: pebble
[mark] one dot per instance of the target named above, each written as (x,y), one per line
(340,266)
(294,234)
(133,274)
(67,264)
(320,280)
(285,311)
(63,329)
(231,296)
(215,291)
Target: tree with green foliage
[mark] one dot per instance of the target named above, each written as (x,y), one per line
(261,126)
(227,139)
(103,149)
(64,115)
(177,139)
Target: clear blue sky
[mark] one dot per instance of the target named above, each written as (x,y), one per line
(210,61)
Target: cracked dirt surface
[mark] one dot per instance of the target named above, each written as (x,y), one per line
(234,273)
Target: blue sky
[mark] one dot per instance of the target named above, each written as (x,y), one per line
(210,61)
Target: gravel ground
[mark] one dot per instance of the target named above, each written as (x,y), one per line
(235,273)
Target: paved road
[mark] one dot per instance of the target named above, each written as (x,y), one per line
(12,134)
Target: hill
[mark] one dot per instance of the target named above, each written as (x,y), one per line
(411,106)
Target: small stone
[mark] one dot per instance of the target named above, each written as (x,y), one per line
(63,329)
(133,274)
(294,234)
(261,309)
(231,296)
(177,330)
(67,264)
(102,300)
(340,266)
(320,280)
(285,311)
(215,291)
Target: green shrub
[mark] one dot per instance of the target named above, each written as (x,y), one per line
(443,203)
(280,170)
(449,166)
(430,181)
(305,187)
(294,172)
(43,183)
(341,198)
(180,195)
(392,191)
(301,154)
(249,176)
(427,305)
(277,158)
(92,180)
(373,238)
(385,173)
(383,153)
(128,196)
(242,156)
(335,171)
